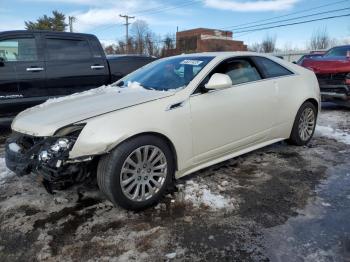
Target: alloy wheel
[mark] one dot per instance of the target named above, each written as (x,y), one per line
(306,124)
(143,173)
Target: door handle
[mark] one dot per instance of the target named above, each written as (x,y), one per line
(97,67)
(35,69)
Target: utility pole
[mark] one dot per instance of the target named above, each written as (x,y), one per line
(127,29)
(71,20)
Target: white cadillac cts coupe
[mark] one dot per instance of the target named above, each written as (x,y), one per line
(166,120)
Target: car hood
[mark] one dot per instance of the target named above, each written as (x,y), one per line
(328,65)
(45,119)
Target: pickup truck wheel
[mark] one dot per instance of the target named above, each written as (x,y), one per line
(136,174)
(304,125)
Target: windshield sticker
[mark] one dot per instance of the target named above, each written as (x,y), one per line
(191,62)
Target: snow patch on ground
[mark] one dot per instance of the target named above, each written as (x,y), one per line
(4,172)
(336,134)
(200,195)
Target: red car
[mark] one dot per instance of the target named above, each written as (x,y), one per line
(333,74)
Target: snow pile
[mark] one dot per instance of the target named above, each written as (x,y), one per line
(135,85)
(4,172)
(336,134)
(200,195)
(132,86)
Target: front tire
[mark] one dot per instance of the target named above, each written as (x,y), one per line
(136,174)
(304,125)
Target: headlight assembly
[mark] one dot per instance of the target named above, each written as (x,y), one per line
(57,148)
(60,148)
(61,144)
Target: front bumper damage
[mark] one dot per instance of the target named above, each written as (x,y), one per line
(334,88)
(341,92)
(26,154)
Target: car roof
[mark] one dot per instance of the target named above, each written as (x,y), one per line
(44,31)
(225,54)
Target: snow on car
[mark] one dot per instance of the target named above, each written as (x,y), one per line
(184,113)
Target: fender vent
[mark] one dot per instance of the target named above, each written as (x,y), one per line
(174,106)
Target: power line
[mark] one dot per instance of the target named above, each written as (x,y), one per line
(277,26)
(153,11)
(296,18)
(275,17)
(159,10)
(295,23)
(289,24)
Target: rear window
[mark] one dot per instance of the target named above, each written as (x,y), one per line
(67,49)
(271,68)
(338,51)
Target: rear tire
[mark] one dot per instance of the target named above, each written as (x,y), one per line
(136,174)
(304,125)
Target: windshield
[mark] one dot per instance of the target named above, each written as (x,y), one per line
(166,74)
(338,51)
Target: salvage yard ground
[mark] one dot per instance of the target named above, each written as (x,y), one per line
(280,203)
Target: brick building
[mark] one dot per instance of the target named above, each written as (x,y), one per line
(206,40)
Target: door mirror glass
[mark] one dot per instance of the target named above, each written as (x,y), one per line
(219,81)
(2,61)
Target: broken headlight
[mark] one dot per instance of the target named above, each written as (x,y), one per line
(59,148)
(60,145)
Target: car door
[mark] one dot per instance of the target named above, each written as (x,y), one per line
(8,78)
(72,66)
(22,72)
(281,77)
(234,118)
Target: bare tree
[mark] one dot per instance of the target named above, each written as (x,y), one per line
(140,30)
(255,47)
(152,43)
(110,49)
(320,39)
(168,45)
(268,44)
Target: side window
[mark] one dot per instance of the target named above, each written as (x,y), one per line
(19,49)
(271,68)
(67,49)
(96,48)
(240,70)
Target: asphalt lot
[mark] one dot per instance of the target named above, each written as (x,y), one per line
(280,203)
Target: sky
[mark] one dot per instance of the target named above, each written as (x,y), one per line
(101,17)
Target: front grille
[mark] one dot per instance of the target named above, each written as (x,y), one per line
(331,79)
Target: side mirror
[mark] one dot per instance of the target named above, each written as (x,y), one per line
(348,54)
(219,81)
(2,61)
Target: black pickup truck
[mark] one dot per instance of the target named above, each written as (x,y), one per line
(37,65)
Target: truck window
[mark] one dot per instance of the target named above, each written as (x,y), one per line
(18,49)
(67,49)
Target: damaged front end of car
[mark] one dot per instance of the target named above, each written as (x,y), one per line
(48,158)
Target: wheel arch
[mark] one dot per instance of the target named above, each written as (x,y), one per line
(314,102)
(161,136)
